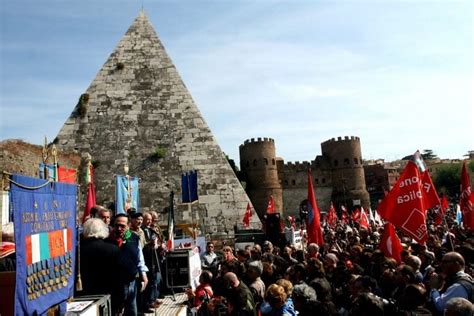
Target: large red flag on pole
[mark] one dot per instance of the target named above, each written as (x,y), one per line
(390,243)
(313,222)
(405,205)
(271,205)
(466,200)
(248,215)
(90,200)
(431,198)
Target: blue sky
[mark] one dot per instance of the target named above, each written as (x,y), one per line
(398,74)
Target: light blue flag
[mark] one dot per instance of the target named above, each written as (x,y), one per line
(126,194)
(458,215)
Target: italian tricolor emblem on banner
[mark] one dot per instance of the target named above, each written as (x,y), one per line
(48,245)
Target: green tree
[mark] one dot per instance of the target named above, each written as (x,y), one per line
(448,179)
(428,154)
(470,165)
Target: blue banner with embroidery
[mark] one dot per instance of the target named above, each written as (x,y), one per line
(44,216)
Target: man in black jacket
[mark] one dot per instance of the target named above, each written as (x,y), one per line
(99,261)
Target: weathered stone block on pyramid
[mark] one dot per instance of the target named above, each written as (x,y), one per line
(138,110)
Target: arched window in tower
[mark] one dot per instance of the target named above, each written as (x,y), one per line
(336,163)
(273,161)
(248,163)
(316,180)
(293,182)
(265,160)
(346,161)
(286,182)
(356,162)
(323,180)
(255,162)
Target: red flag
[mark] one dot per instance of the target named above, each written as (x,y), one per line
(466,199)
(431,198)
(271,205)
(66,175)
(390,243)
(364,221)
(439,212)
(332,216)
(90,200)
(248,215)
(313,223)
(356,215)
(405,205)
(430,195)
(444,203)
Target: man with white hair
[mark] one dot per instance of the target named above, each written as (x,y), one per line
(415,262)
(99,261)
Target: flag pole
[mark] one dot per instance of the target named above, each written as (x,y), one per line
(190,209)
(448,233)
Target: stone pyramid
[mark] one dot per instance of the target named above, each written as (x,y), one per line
(138,110)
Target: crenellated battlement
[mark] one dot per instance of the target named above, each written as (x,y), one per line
(297,165)
(258,140)
(338,166)
(341,139)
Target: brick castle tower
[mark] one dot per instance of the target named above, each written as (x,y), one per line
(338,176)
(258,163)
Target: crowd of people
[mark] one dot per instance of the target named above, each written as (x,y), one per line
(123,259)
(124,256)
(348,275)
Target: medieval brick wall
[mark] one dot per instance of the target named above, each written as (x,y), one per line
(17,156)
(338,175)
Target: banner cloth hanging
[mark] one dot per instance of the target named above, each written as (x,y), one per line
(45,235)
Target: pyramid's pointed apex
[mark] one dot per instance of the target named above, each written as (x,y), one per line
(142,14)
(142,17)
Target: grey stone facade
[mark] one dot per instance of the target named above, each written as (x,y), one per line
(138,111)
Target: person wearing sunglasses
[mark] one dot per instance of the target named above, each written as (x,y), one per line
(132,263)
